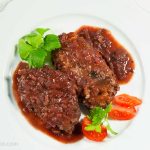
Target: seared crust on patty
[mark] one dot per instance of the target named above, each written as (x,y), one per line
(49,95)
(77,57)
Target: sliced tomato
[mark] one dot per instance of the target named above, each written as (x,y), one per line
(93,135)
(122,113)
(126,100)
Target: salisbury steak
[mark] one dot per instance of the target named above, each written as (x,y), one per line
(50,95)
(116,56)
(77,57)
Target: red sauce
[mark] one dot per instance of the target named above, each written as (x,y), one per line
(37,123)
(116,56)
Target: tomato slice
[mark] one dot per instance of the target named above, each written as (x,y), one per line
(126,100)
(93,135)
(122,113)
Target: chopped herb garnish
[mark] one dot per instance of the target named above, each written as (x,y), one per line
(36,47)
(98,117)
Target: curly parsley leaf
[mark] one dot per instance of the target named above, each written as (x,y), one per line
(91,127)
(37,58)
(98,129)
(24,49)
(98,114)
(33,39)
(35,48)
(98,117)
(51,42)
(41,31)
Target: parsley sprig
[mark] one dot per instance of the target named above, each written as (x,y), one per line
(35,47)
(98,117)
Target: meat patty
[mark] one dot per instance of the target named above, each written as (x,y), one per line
(50,95)
(116,56)
(77,57)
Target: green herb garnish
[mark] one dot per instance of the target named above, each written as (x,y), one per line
(36,47)
(99,116)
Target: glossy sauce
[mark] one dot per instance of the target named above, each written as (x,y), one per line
(123,75)
(37,123)
(116,56)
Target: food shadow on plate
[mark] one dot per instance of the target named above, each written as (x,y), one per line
(85,111)
(8,76)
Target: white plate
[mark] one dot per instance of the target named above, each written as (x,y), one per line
(62,17)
